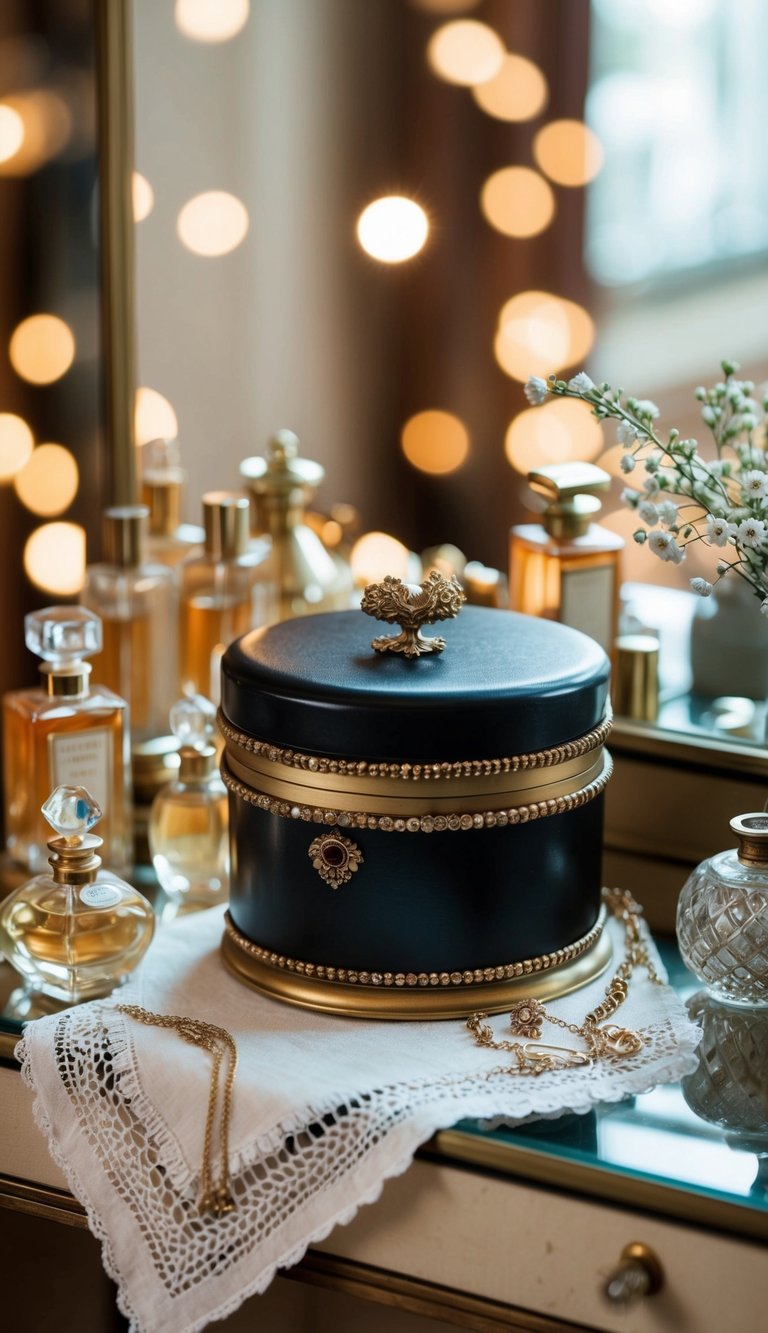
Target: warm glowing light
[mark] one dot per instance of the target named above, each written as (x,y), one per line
(213,223)
(445,6)
(54,558)
(541,334)
(143,197)
(517,201)
(11,132)
(568,152)
(562,431)
(375,555)
(435,442)
(42,348)
(517,92)
(16,445)
(154,418)
(392,229)
(211,20)
(47,484)
(465,52)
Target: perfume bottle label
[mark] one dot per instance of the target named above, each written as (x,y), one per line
(100,895)
(83,759)
(587,600)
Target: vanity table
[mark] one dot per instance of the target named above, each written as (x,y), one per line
(522,1228)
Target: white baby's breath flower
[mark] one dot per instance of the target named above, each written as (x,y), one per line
(648,512)
(665,547)
(667,512)
(754,484)
(581,383)
(751,533)
(710,414)
(645,408)
(627,462)
(629,497)
(651,486)
(701,587)
(627,434)
(536,391)
(719,530)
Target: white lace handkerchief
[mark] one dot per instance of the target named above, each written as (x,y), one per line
(325,1111)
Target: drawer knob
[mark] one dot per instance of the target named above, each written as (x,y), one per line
(637,1274)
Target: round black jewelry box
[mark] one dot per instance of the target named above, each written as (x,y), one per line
(415,838)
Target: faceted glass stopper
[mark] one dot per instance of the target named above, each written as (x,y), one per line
(62,633)
(160,455)
(71,811)
(193,720)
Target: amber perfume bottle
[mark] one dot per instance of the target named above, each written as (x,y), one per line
(188,826)
(566,567)
(77,931)
(163,479)
(65,731)
(136,600)
(224,592)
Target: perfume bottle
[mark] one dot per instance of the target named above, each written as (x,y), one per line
(224,592)
(722,917)
(188,825)
(77,932)
(169,541)
(307,577)
(566,568)
(136,601)
(64,732)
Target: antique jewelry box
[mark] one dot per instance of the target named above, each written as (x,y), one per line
(415,836)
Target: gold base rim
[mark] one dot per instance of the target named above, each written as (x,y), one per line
(414,1005)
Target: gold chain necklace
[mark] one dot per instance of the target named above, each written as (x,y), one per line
(221,1044)
(602,1041)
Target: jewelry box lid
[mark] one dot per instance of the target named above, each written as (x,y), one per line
(506,684)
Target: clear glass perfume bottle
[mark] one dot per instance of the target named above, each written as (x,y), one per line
(169,541)
(223,592)
(77,932)
(65,731)
(722,917)
(188,825)
(566,567)
(136,601)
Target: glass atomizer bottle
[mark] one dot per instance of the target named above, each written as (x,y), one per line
(169,541)
(188,825)
(136,601)
(65,731)
(77,932)
(566,567)
(224,592)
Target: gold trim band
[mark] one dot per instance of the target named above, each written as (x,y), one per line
(463,768)
(420,815)
(371,994)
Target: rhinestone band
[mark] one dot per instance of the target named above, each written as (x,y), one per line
(359,977)
(455,822)
(464,768)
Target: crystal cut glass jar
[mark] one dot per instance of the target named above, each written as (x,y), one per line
(722,917)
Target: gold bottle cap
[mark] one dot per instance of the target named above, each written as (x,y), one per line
(72,812)
(282,472)
(161,493)
(752,833)
(197,762)
(124,533)
(226,519)
(570,491)
(636,692)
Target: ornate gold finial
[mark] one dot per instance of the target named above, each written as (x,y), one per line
(412,605)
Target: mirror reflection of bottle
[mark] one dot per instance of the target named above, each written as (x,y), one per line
(224,592)
(163,479)
(136,600)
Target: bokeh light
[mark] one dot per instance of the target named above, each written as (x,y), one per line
(42,348)
(375,555)
(465,52)
(54,558)
(47,484)
(211,20)
(11,132)
(561,431)
(517,201)
(16,445)
(518,91)
(143,197)
(213,223)
(392,229)
(154,417)
(435,442)
(541,334)
(568,152)
(46,122)
(445,6)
